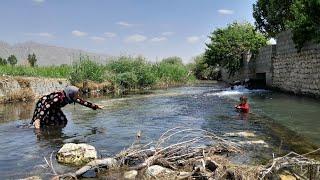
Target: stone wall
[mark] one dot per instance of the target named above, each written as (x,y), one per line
(27,88)
(244,73)
(297,72)
(263,62)
(284,67)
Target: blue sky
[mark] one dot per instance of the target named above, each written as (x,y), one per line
(152,28)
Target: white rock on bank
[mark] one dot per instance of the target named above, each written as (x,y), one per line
(287,177)
(257,142)
(241,134)
(76,154)
(156,170)
(130,174)
(32,178)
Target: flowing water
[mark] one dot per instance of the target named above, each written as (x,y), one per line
(279,122)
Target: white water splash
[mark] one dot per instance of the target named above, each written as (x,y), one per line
(238,90)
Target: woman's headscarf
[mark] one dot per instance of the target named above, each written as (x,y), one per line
(71,92)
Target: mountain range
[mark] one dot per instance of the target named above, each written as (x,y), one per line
(46,54)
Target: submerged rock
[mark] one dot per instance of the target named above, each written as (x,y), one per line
(157,170)
(76,154)
(130,174)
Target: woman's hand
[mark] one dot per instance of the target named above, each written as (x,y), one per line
(100,106)
(36,123)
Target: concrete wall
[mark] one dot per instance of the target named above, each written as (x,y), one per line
(20,88)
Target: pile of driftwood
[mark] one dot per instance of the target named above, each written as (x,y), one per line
(295,165)
(175,147)
(191,151)
(194,154)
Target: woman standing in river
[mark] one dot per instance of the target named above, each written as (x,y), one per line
(48,108)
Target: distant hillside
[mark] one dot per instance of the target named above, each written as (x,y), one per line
(46,54)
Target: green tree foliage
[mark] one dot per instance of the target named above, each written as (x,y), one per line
(3,61)
(229,45)
(12,60)
(32,59)
(300,16)
(202,70)
(306,21)
(271,15)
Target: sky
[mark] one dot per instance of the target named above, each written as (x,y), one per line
(152,28)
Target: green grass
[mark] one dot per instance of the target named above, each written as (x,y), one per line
(45,71)
(124,71)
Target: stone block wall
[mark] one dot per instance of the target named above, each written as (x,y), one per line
(247,71)
(297,72)
(27,88)
(286,69)
(263,62)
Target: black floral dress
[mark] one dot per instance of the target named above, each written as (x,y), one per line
(48,109)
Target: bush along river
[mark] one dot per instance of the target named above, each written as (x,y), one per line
(277,124)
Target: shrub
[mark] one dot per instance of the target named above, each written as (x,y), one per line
(127,80)
(85,69)
(138,69)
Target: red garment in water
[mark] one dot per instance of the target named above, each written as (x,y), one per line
(243,107)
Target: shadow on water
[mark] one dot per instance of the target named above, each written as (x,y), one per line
(205,106)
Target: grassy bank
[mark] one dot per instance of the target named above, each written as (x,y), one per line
(45,71)
(124,73)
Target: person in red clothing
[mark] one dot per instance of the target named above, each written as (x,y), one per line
(48,108)
(243,106)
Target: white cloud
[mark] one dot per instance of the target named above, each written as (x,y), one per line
(169,33)
(41,34)
(136,38)
(110,34)
(79,33)
(158,39)
(38,1)
(225,11)
(193,39)
(125,24)
(97,38)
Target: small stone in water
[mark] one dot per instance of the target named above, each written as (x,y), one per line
(89,174)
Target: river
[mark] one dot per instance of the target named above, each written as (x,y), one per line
(279,122)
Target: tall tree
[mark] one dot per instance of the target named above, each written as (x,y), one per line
(3,61)
(229,45)
(12,60)
(302,17)
(306,21)
(202,70)
(271,15)
(32,59)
